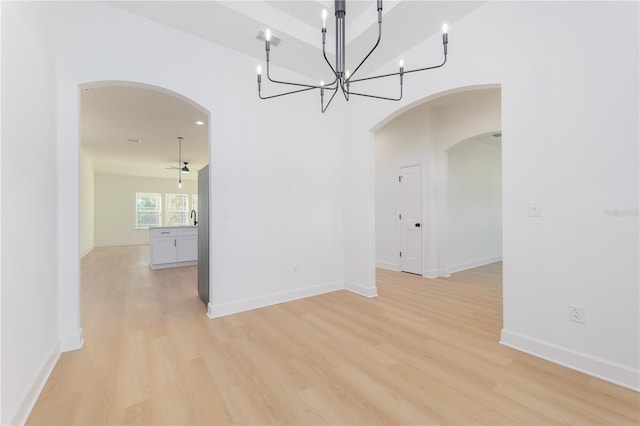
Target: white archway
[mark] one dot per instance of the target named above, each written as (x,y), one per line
(422,133)
(69,248)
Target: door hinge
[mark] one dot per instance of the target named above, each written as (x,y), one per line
(400,254)
(399,178)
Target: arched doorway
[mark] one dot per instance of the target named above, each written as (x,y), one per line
(129,147)
(422,136)
(474,201)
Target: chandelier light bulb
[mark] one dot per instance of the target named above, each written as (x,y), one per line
(445,28)
(267,35)
(324,18)
(259,70)
(347,74)
(401,63)
(179,184)
(321,83)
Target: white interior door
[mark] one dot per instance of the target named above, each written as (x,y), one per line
(411,219)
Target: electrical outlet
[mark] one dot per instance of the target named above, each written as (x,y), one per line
(577,313)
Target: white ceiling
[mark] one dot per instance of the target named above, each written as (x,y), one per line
(112,115)
(235,24)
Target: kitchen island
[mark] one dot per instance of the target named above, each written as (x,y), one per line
(173,246)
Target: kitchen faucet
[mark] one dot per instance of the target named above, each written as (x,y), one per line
(194,216)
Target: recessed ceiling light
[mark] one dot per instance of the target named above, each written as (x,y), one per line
(200,123)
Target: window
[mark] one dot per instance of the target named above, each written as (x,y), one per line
(148,209)
(194,202)
(176,212)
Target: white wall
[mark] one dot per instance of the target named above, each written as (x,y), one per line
(115,206)
(299,186)
(570,141)
(423,135)
(276,167)
(29,215)
(474,204)
(87,204)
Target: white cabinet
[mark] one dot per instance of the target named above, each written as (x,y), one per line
(187,244)
(173,246)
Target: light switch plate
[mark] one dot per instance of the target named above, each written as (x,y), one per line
(534,209)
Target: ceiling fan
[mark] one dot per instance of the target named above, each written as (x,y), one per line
(185,168)
(181,170)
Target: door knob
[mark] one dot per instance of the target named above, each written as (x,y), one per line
(417,225)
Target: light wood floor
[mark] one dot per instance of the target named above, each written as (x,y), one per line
(423,352)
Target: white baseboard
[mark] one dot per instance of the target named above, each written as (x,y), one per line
(474,264)
(219,310)
(601,368)
(430,273)
(427,273)
(71,342)
(86,251)
(387,265)
(436,273)
(122,243)
(173,265)
(32,395)
(361,290)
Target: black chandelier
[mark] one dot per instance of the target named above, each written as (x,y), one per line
(342,79)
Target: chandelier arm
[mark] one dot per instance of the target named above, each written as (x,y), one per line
(335,74)
(285,93)
(401,73)
(288,83)
(345,92)
(429,68)
(398,73)
(371,51)
(384,98)
(324,107)
(377,76)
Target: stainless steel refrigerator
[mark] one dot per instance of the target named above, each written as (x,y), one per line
(203,234)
